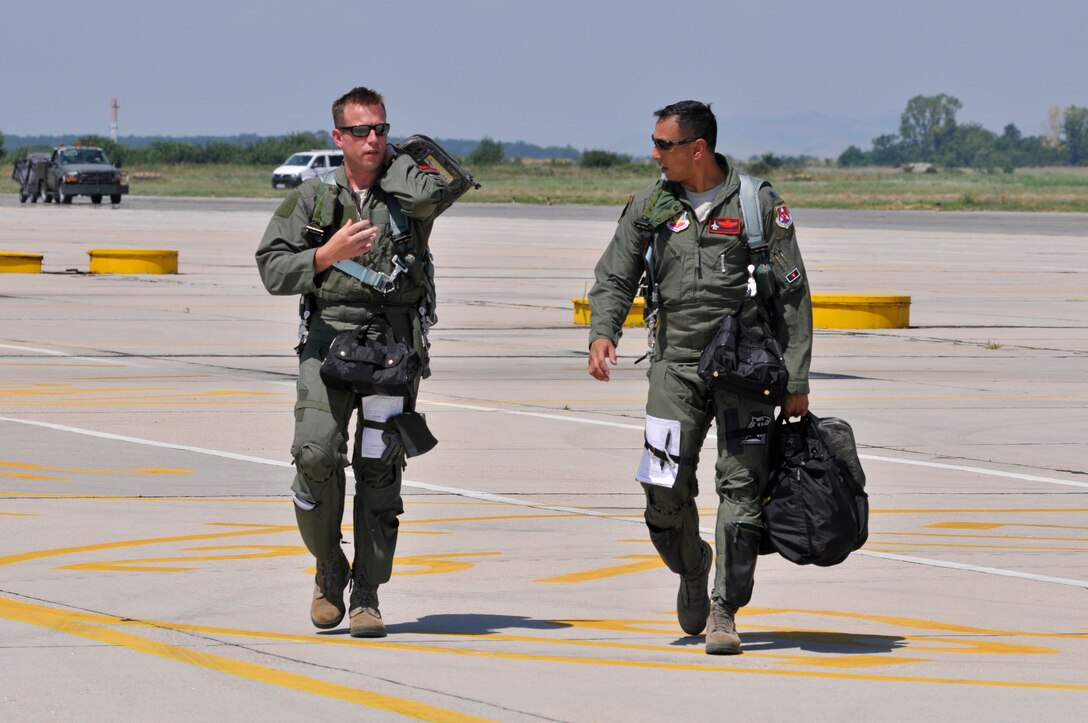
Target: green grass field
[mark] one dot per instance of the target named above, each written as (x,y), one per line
(1027,189)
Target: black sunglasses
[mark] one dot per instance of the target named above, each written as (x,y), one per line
(362,131)
(667,145)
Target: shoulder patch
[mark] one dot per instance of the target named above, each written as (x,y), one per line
(782,216)
(679,222)
(625,207)
(288,206)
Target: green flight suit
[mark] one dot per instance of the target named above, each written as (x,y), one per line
(285,260)
(702,275)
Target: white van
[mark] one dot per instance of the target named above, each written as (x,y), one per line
(307,164)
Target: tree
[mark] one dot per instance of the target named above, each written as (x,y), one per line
(888,150)
(114,151)
(1,145)
(603,159)
(488,153)
(1075,134)
(852,156)
(927,123)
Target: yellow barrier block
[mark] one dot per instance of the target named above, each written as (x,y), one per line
(133,261)
(634,315)
(857,311)
(16,262)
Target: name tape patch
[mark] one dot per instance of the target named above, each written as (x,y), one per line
(724,226)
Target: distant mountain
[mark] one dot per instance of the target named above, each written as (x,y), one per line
(799,134)
(15,142)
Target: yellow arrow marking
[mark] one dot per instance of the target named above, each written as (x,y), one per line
(144,564)
(646,562)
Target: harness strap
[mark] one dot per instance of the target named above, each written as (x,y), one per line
(749,209)
(401,239)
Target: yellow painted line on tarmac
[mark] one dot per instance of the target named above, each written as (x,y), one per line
(18,514)
(484,518)
(980,511)
(961,536)
(63,622)
(437,564)
(69,621)
(964,546)
(154,564)
(995,525)
(149,401)
(88,470)
(60,551)
(27,475)
(21,495)
(58,390)
(645,562)
(941,397)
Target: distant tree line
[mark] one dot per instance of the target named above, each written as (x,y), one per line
(929,133)
(265,151)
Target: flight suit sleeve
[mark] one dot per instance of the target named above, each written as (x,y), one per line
(418,192)
(285,257)
(617,274)
(792,302)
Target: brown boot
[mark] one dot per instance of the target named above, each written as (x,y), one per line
(327,607)
(366,621)
(721,632)
(692,599)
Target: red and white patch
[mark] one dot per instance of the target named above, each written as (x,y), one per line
(724,226)
(792,276)
(784,219)
(679,222)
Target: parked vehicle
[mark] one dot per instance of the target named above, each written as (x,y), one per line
(67,173)
(306,164)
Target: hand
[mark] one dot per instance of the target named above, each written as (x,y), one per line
(355,238)
(601,352)
(795,405)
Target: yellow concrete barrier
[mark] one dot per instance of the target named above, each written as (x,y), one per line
(16,262)
(859,311)
(133,261)
(634,315)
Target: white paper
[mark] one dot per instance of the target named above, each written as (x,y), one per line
(378,408)
(662,434)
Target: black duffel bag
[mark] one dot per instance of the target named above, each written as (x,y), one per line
(745,360)
(816,510)
(371,360)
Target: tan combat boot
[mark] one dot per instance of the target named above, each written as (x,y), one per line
(366,621)
(327,607)
(692,600)
(721,632)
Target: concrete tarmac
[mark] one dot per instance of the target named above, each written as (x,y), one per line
(150,566)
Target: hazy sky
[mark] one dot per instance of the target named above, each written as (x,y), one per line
(551,72)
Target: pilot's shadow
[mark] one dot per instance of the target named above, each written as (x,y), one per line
(821,642)
(472,624)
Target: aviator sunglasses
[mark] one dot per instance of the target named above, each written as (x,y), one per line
(362,131)
(667,145)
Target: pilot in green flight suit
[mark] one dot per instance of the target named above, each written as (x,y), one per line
(701,269)
(317,225)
